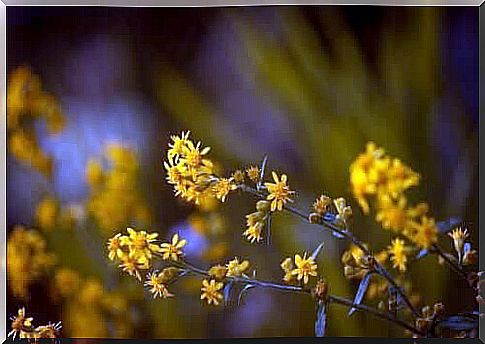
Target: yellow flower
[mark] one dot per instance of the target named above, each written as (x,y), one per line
(114,246)
(321,204)
(157,287)
(238,176)
(424,234)
(140,244)
(253,172)
(94,173)
(397,250)
(46,213)
(132,265)
(279,192)
(174,250)
(210,291)
(193,155)
(401,177)
(305,267)
(459,236)
(178,145)
(91,292)
(253,233)
(222,188)
(344,212)
(234,268)
(287,266)
(218,272)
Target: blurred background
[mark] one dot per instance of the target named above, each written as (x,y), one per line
(309,86)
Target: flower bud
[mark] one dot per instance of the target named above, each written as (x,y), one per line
(263,206)
(315,218)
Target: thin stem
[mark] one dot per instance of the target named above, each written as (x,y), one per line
(289,288)
(330,226)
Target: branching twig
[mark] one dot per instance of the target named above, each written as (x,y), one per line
(347,234)
(296,289)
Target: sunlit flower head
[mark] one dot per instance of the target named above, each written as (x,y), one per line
(115,245)
(218,272)
(141,243)
(157,287)
(287,266)
(132,265)
(178,144)
(254,232)
(279,192)
(173,250)
(236,268)
(222,188)
(305,267)
(210,291)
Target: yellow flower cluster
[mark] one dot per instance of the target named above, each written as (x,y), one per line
(88,307)
(376,174)
(193,175)
(256,221)
(134,251)
(27,259)
(24,328)
(27,102)
(301,269)
(115,199)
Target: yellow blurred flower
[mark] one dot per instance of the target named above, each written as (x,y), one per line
(141,243)
(47,213)
(397,250)
(425,233)
(287,266)
(210,291)
(238,176)
(67,282)
(218,272)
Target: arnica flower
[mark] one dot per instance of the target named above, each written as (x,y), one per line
(132,265)
(305,267)
(238,176)
(425,233)
(141,244)
(178,145)
(218,272)
(397,250)
(115,245)
(254,173)
(344,212)
(222,188)
(254,232)
(157,287)
(287,266)
(459,236)
(210,291)
(173,250)
(236,268)
(322,204)
(279,192)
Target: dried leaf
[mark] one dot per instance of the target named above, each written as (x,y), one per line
(263,168)
(359,296)
(321,322)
